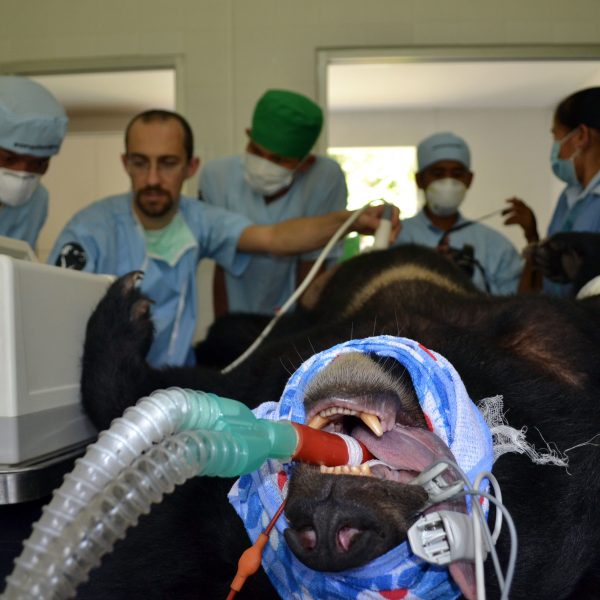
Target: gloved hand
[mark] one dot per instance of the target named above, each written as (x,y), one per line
(570,257)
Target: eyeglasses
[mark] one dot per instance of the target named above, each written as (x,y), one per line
(165,165)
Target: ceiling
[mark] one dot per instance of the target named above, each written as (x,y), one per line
(117,92)
(458,85)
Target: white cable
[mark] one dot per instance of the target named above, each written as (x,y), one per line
(497,494)
(479,574)
(300,290)
(512,558)
(504,581)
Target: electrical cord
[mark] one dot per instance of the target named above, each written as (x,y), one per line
(472,260)
(251,558)
(480,528)
(299,290)
(497,494)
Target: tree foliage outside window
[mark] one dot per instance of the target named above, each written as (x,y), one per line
(385,173)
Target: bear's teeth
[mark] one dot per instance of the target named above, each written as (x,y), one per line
(318,422)
(372,422)
(363,470)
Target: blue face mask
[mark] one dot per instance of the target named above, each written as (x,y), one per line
(563,168)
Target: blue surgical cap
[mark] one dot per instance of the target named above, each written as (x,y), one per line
(442,146)
(31,119)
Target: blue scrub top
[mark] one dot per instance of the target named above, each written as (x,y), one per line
(500,261)
(113,242)
(577,209)
(26,221)
(270,280)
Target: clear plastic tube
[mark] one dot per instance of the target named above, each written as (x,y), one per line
(56,572)
(150,421)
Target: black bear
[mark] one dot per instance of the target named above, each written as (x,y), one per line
(539,354)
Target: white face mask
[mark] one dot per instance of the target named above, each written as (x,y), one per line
(16,187)
(265,177)
(444,196)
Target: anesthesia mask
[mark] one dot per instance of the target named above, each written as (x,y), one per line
(17,187)
(266,177)
(444,196)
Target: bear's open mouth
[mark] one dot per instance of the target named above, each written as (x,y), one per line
(403,447)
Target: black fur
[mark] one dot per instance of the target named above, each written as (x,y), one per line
(570,257)
(540,353)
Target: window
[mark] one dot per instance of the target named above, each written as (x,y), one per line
(379,174)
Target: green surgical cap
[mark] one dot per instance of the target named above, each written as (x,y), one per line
(286,123)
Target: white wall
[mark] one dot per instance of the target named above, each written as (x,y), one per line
(509,151)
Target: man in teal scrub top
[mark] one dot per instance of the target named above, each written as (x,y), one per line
(277,179)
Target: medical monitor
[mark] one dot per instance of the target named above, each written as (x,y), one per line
(17,249)
(43,316)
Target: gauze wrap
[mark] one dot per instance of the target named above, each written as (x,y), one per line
(398,573)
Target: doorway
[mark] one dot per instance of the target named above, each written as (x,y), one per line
(500,100)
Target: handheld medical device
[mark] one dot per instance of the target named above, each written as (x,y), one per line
(382,236)
(43,315)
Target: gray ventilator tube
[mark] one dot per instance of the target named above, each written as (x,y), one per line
(113,484)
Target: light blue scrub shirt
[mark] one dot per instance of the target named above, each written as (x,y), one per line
(270,280)
(26,221)
(113,242)
(498,257)
(577,210)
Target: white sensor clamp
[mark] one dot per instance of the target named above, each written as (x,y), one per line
(443,537)
(435,485)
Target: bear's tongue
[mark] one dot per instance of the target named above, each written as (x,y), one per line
(405,448)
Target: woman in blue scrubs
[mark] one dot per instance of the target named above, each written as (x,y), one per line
(575,159)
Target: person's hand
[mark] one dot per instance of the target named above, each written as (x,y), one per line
(569,257)
(369,220)
(551,256)
(518,213)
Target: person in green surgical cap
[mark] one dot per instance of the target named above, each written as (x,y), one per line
(277,179)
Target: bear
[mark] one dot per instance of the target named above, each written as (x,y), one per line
(539,354)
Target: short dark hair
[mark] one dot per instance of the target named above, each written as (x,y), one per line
(158,114)
(580,108)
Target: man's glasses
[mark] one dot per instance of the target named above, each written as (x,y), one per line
(165,165)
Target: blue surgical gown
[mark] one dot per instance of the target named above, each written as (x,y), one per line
(113,242)
(499,259)
(270,280)
(25,222)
